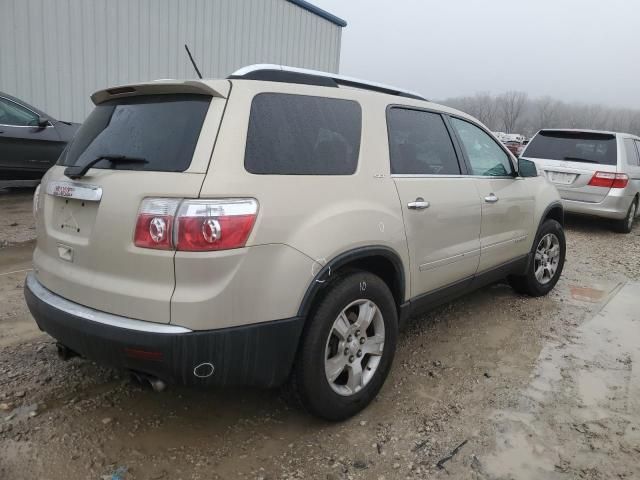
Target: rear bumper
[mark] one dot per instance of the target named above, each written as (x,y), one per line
(258,354)
(614,207)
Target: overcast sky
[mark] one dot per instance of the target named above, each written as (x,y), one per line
(574,50)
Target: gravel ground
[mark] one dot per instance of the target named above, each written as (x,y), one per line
(16,222)
(480,389)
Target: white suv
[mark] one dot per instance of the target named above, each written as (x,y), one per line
(277,227)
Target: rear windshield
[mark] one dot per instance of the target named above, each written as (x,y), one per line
(574,147)
(302,135)
(161,129)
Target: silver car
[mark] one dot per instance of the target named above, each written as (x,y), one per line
(595,172)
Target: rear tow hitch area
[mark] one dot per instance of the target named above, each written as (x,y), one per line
(145,379)
(65,353)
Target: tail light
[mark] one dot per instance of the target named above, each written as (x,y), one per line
(195,225)
(154,227)
(215,224)
(609,180)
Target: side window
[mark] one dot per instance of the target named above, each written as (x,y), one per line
(302,135)
(485,156)
(638,146)
(419,143)
(630,149)
(13,114)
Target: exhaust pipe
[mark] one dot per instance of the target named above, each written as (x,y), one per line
(155,383)
(64,352)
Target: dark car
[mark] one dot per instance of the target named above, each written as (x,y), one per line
(30,140)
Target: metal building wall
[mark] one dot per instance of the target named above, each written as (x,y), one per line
(55,53)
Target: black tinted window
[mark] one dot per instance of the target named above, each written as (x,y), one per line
(419,143)
(574,147)
(162,129)
(302,135)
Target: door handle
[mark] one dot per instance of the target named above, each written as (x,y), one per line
(418,204)
(491,198)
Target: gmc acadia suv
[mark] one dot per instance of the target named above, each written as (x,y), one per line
(277,227)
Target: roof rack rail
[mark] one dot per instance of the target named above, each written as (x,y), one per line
(282,73)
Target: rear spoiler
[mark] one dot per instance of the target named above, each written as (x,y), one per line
(215,88)
(581,134)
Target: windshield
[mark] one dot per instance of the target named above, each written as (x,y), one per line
(162,129)
(587,147)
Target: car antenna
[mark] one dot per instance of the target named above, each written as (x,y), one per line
(193,62)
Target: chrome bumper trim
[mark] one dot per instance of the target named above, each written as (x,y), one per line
(97,316)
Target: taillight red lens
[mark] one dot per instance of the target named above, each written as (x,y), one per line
(204,225)
(620,181)
(198,225)
(154,226)
(609,180)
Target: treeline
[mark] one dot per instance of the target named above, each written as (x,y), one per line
(515,112)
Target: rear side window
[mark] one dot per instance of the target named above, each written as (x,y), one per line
(419,143)
(638,147)
(303,135)
(632,153)
(587,147)
(161,129)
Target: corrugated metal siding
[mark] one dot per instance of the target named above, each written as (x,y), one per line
(54,54)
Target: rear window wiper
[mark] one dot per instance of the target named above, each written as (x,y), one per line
(78,171)
(579,159)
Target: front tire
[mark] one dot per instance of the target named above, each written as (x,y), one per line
(348,347)
(546,264)
(626,224)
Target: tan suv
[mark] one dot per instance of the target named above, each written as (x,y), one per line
(277,227)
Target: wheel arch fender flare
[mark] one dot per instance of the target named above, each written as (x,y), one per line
(356,257)
(555,211)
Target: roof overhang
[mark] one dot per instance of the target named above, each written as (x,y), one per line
(320,12)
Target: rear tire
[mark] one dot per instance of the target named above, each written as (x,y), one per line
(626,224)
(546,263)
(348,347)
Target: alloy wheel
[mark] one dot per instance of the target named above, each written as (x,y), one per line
(354,347)
(632,215)
(547,258)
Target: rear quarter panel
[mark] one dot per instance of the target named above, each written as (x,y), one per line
(320,216)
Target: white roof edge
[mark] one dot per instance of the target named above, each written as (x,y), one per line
(284,68)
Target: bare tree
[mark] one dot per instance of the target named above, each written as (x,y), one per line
(511,105)
(487,108)
(546,113)
(514,113)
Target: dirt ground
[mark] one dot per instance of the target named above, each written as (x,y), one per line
(491,386)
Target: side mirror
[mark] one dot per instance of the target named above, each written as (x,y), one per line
(527,168)
(42,122)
